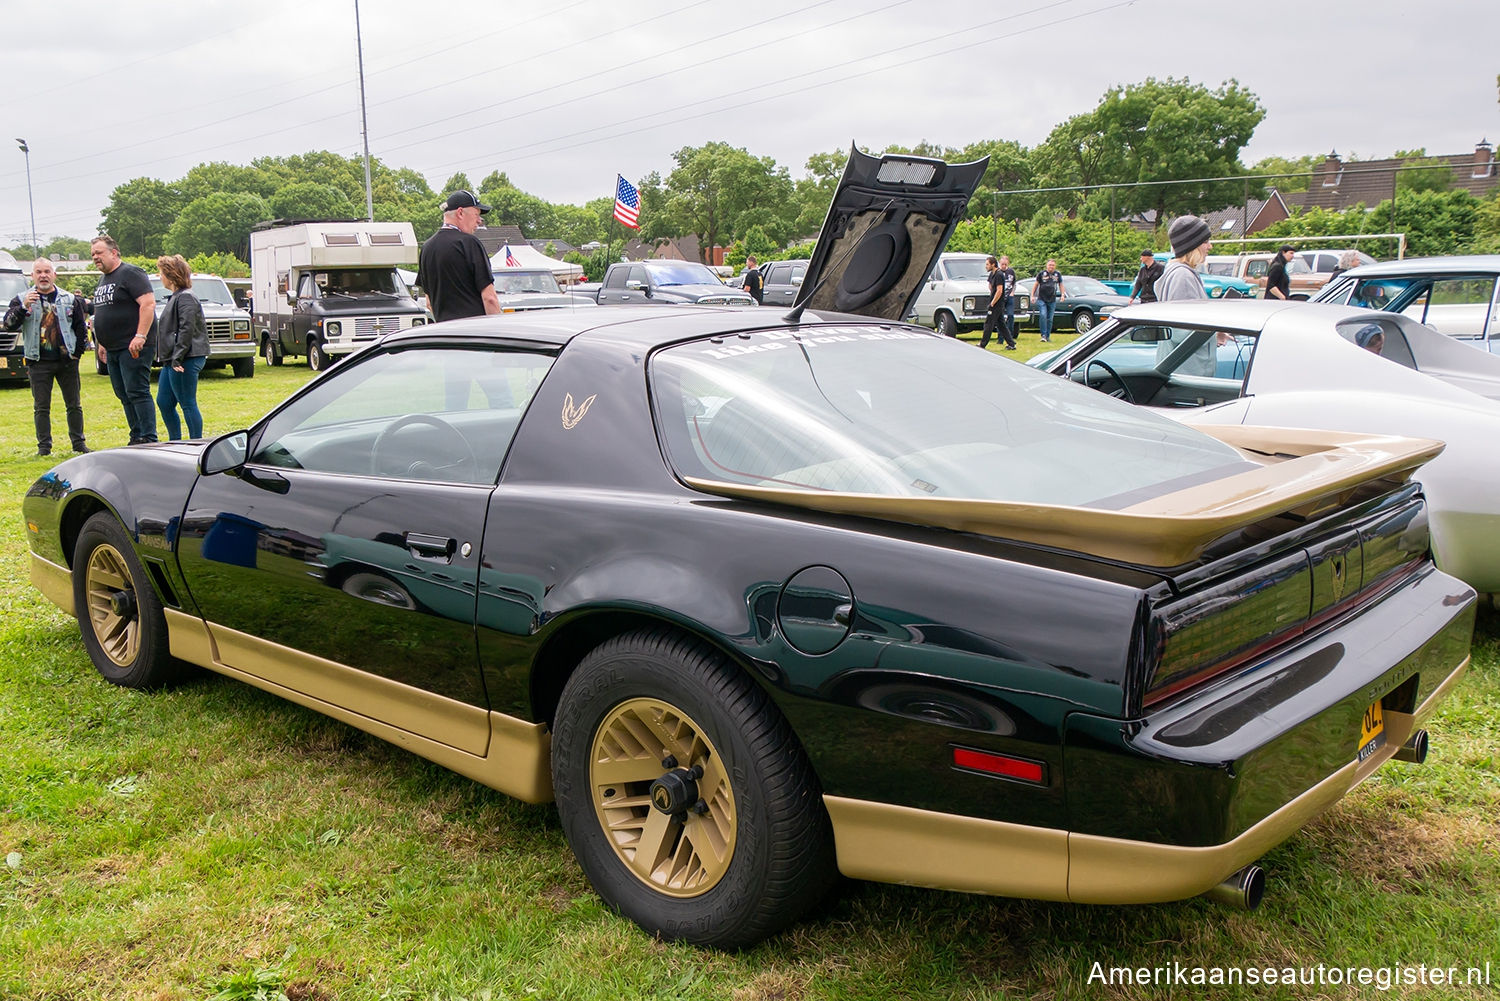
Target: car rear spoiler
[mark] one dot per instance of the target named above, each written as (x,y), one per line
(1302,473)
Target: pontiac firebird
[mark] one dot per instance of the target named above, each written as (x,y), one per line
(758,599)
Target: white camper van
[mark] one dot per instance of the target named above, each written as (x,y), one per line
(322,289)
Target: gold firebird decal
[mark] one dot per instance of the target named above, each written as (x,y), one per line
(571,415)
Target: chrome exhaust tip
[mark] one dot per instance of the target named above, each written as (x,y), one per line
(1242,890)
(1414,750)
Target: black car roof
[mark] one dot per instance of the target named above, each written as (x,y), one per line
(646,327)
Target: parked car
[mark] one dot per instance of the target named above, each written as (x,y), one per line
(780,281)
(665,281)
(12,356)
(230,341)
(1297,366)
(1325,261)
(956,295)
(1087,300)
(529,288)
(1457,296)
(1218,281)
(1253,267)
(723,583)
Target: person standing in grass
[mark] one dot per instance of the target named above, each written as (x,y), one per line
(125,329)
(1049,289)
(53,336)
(182,348)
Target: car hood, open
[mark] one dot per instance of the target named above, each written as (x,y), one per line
(890,218)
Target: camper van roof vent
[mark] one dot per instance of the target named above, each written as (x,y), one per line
(385,239)
(340,239)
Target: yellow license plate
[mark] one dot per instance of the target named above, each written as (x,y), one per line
(4,363)
(1371,731)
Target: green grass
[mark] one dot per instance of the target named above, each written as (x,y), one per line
(215,842)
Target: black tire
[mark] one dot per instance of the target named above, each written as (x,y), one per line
(274,357)
(317,358)
(119,614)
(752,852)
(946,325)
(1083,321)
(244,368)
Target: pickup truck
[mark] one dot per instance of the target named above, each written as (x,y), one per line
(1305,282)
(664,281)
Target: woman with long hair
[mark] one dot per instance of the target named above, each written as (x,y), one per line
(182,348)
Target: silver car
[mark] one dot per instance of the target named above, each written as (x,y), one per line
(1457,296)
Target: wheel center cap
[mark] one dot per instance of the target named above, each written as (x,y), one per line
(675,791)
(122,603)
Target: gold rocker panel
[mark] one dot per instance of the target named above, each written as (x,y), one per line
(1299,471)
(499,751)
(898,844)
(55,582)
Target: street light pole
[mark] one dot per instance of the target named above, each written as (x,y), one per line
(364,118)
(32,205)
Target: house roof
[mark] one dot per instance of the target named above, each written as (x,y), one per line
(495,237)
(1338,185)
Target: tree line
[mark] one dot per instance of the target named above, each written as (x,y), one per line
(1032,202)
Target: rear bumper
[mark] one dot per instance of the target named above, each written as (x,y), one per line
(1167,807)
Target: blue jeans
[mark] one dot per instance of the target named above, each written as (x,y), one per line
(1044,311)
(176,389)
(131,380)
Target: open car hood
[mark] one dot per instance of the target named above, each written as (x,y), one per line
(891,216)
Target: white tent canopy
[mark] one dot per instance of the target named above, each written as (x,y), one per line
(527,256)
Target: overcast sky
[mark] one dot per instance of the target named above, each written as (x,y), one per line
(562,95)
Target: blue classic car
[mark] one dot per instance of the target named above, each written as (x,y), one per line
(1217,286)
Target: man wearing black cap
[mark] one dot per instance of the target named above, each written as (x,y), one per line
(454,270)
(1144,288)
(1278,285)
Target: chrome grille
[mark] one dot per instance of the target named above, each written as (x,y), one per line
(8,339)
(220,330)
(365,326)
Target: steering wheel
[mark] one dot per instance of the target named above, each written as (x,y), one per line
(1122,392)
(424,468)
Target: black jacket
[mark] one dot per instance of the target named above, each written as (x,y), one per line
(181,332)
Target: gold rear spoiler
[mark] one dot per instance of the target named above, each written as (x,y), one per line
(1301,473)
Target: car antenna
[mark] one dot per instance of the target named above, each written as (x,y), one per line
(795,316)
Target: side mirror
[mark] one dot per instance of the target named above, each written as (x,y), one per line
(796,279)
(635,285)
(225,454)
(291,297)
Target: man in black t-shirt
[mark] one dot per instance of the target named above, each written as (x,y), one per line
(125,330)
(454,270)
(1049,289)
(754,284)
(994,319)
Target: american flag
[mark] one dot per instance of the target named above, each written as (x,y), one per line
(627,203)
(510,259)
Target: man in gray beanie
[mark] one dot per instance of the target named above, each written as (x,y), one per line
(1190,245)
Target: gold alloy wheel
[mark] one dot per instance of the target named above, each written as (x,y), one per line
(111,605)
(646,749)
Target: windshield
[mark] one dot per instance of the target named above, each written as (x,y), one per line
(967,268)
(863,409)
(1079,285)
(360,281)
(682,273)
(512,282)
(206,288)
(11,285)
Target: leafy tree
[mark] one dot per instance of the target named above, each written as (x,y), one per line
(460,182)
(1272,166)
(1420,172)
(217,223)
(139,214)
(225,178)
(718,191)
(312,200)
(224,265)
(1155,131)
(814,193)
(514,207)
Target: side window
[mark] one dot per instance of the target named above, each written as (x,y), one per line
(616,278)
(780,274)
(1392,342)
(444,414)
(1460,306)
(638,274)
(307,288)
(1257,269)
(798,271)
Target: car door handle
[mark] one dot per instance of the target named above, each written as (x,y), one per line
(429,545)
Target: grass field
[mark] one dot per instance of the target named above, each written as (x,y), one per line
(215,842)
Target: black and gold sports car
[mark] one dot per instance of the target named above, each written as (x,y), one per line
(760,598)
